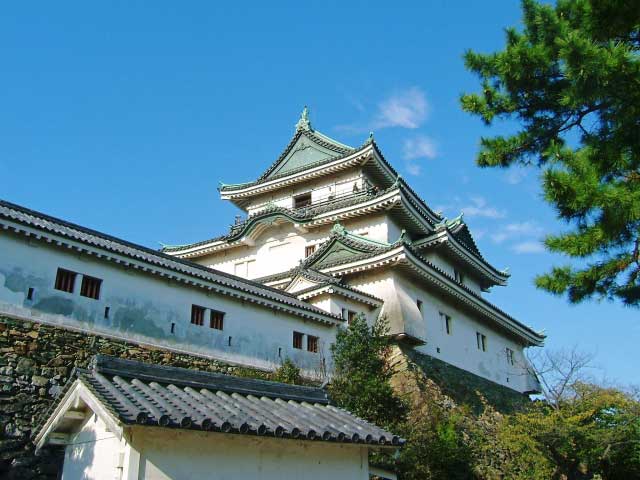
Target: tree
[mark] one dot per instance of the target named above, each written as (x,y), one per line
(288,372)
(571,79)
(362,373)
(578,431)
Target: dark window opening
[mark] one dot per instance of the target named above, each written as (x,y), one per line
(90,287)
(447,322)
(312,344)
(106,312)
(458,275)
(173,327)
(65,280)
(308,251)
(30,293)
(419,305)
(279,351)
(302,200)
(351,316)
(510,357)
(297,340)
(197,315)
(216,319)
(481,341)
(229,342)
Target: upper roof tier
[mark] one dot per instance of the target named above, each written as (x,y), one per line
(309,155)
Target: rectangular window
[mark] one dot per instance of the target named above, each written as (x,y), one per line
(351,316)
(308,250)
(446,322)
(344,313)
(302,200)
(216,319)
(90,287)
(481,341)
(297,340)
(510,356)
(197,315)
(458,275)
(65,280)
(312,344)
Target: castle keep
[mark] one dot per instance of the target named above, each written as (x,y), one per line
(329,232)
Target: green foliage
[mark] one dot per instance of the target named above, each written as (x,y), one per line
(596,431)
(288,372)
(362,373)
(571,79)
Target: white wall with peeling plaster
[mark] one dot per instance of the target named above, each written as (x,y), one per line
(147,309)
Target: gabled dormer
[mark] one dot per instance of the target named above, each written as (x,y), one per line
(313,161)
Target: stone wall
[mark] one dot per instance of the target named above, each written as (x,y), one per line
(463,387)
(35,363)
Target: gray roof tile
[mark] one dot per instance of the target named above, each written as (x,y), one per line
(144,394)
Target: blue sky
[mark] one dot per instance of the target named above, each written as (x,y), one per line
(124,116)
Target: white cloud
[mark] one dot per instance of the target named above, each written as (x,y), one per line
(530,246)
(515,175)
(517,230)
(419,146)
(480,208)
(414,168)
(406,109)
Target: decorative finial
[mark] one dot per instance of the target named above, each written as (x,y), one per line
(304,123)
(338,229)
(370,139)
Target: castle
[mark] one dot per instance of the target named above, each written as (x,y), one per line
(331,231)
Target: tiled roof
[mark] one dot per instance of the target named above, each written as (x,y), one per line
(138,393)
(298,215)
(93,238)
(323,280)
(316,137)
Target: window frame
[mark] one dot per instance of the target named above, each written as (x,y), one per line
(298,340)
(197,319)
(90,287)
(312,343)
(302,197)
(70,283)
(481,341)
(309,250)
(218,322)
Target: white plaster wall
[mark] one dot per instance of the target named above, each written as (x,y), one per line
(92,453)
(338,184)
(143,308)
(335,304)
(447,266)
(282,247)
(187,455)
(401,293)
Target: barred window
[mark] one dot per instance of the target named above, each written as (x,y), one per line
(308,250)
(312,344)
(216,319)
(351,316)
(302,200)
(297,340)
(65,280)
(90,287)
(197,315)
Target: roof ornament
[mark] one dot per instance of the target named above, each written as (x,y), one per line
(403,239)
(370,139)
(397,181)
(304,123)
(339,229)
